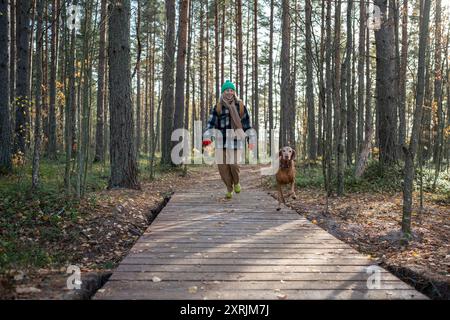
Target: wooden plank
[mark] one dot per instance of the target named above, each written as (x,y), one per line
(272,277)
(268,285)
(220,250)
(239,233)
(235,268)
(233,218)
(240,255)
(206,245)
(212,241)
(184,290)
(249,262)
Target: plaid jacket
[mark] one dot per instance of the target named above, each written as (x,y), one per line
(222,122)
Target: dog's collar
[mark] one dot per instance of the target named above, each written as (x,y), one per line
(286,164)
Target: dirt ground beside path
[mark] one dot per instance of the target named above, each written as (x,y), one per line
(105,234)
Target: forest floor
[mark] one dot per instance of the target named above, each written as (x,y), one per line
(95,236)
(98,232)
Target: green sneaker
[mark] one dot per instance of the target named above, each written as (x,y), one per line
(228,195)
(237,188)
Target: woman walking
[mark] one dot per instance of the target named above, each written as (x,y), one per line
(231,120)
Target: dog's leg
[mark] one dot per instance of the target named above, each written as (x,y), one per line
(280,197)
(294,196)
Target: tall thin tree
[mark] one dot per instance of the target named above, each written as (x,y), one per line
(5,121)
(168,83)
(124,167)
(411,150)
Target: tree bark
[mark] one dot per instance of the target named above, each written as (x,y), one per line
(361,55)
(286,82)
(270,102)
(350,118)
(12,55)
(438,86)
(99,138)
(180,104)
(312,143)
(52,86)
(411,150)
(168,83)
(239,47)
(386,86)
(22,104)
(216,48)
(138,81)
(402,75)
(338,106)
(124,168)
(38,95)
(255,70)
(5,121)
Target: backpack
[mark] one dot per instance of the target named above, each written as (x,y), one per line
(241,108)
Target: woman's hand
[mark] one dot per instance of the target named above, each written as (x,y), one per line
(206,142)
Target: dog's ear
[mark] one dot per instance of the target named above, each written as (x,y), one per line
(293,154)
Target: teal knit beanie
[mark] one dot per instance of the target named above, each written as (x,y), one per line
(228,85)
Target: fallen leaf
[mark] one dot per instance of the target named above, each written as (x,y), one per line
(27,290)
(193,289)
(156,279)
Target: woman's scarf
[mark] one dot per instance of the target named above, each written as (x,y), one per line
(236,123)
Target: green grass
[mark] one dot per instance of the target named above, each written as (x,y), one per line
(376,178)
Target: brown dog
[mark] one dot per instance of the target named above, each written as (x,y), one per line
(286,173)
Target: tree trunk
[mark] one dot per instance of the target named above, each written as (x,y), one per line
(52,86)
(412,148)
(180,104)
(320,135)
(12,55)
(201,58)
(22,76)
(124,168)
(70,108)
(338,106)
(361,54)
(239,47)
(402,75)
(386,86)
(222,47)
(5,122)
(328,127)
(438,86)
(146,90)
(285,99)
(138,81)
(38,95)
(255,108)
(99,138)
(168,83)
(312,143)
(270,102)
(188,70)
(350,121)
(216,48)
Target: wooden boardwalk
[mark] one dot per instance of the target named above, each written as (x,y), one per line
(202,246)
